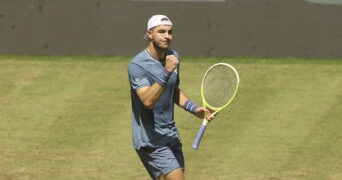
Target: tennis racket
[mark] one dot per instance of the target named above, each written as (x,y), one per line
(219,86)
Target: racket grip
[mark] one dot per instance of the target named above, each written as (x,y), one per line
(199,136)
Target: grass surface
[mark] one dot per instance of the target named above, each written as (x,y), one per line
(69,118)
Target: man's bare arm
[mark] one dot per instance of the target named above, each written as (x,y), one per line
(149,95)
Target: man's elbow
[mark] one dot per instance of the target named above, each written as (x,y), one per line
(149,104)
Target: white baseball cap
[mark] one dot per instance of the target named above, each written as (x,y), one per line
(157,20)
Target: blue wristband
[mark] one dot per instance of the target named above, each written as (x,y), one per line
(190,106)
(163,77)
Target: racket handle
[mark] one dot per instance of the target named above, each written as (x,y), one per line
(199,136)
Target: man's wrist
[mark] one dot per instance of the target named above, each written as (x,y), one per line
(163,77)
(190,106)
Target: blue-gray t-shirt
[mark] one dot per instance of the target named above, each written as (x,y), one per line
(152,127)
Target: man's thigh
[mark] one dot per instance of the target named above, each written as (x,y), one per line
(177,174)
(161,160)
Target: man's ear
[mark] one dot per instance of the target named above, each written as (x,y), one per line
(149,34)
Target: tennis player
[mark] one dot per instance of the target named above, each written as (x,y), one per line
(154,83)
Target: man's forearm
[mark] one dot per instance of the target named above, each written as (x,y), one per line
(150,95)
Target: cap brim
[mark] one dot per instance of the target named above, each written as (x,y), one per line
(146,37)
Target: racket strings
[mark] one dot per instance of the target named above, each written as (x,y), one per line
(219,86)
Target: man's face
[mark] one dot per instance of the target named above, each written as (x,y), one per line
(161,36)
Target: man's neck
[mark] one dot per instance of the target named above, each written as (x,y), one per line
(157,54)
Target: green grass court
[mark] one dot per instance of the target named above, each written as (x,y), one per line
(69,118)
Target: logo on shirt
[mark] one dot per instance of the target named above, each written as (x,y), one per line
(136,79)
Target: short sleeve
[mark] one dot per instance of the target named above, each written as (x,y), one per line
(137,76)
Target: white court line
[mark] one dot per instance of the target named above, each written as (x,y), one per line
(325,1)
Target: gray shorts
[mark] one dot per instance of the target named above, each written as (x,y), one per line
(163,159)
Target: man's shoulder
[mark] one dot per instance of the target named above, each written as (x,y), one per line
(139,62)
(141,56)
